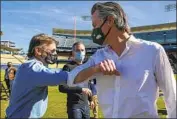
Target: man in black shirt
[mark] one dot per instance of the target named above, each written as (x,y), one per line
(77,97)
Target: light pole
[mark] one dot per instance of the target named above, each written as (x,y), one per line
(75,28)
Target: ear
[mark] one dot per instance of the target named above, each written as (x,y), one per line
(110,20)
(37,51)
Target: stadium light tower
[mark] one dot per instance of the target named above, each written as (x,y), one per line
(87,18)
(170,7)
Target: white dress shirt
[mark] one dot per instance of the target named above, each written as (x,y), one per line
(144,68)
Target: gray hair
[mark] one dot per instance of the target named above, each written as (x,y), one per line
(112,9)
(75,44)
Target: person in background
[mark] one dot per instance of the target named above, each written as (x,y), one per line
(92,86)
(78,96)
(6,78)
(129,71)
(57,63)
(29,97)
(11,76)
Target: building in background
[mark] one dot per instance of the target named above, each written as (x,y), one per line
(8,44)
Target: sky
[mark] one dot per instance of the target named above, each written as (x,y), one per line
(20,20)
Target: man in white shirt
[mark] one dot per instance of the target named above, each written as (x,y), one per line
(129,71)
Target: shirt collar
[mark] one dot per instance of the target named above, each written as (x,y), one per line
(33,58)
(132,41)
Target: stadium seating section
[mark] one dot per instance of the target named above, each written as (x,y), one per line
(166,36)
(15,59)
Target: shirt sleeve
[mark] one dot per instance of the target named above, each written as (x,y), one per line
(43,76)
(166,81)
(66,89)
(78,69)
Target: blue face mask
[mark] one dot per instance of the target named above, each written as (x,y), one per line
(79,56)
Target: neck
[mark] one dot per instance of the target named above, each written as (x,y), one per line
(42,61)
(118,42)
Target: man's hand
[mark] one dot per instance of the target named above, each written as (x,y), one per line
(107,67)
(87,91)
(92,105)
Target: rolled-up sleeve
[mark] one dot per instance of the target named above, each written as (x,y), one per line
(78,69)
(166,81)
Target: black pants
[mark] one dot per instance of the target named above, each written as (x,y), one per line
(79,113)
(8,84)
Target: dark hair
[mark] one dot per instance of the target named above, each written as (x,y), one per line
(115,10)
(9,63)
(39,40)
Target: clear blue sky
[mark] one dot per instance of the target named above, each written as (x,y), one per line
(20,20)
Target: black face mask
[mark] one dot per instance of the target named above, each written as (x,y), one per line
(51,58)
(97,35)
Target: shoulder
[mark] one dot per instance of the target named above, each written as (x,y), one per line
(149,45)
(69,66)
(101,51)
(32,64)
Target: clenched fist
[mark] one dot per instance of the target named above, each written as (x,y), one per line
(107,67)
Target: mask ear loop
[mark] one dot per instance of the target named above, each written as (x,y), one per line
(103,22)
(108,30)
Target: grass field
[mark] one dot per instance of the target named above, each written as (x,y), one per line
(57,103)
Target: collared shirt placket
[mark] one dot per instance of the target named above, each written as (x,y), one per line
(118,82)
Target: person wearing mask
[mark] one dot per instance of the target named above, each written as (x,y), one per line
(129,71)
(29,97)
(11,76)
(78,96)
(6,78)
(92,86)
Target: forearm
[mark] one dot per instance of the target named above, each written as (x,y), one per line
(67,89)
(85,74)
